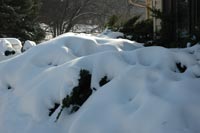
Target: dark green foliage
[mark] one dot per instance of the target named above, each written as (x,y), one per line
(128,26)
(79,93)
(140,31)
(113,23)
(157,13)
(19,19)
(143,31)
(144,27)
(181,68)
(52,110)
(104,81)
(183,41)
(165,34)
(196,33)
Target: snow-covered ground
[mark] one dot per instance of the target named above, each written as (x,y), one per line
(151,89)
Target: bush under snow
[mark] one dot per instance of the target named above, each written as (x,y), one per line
(27,45)
(142,90)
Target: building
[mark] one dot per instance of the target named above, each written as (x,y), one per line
(142,4)
(184,13)
(182,19)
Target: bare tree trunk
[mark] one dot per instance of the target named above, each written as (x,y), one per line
(69,27)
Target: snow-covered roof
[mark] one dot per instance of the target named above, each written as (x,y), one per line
(14,41)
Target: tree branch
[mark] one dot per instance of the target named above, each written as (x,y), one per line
(134,3)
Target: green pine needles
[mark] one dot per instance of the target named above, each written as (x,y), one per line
(78,95)
(103,81)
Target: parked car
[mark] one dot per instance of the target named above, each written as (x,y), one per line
(16,44)
(6,48)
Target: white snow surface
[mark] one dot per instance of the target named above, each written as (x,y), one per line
(146,92)
(28,44)
(107,33)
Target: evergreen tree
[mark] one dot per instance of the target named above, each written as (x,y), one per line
(18,18)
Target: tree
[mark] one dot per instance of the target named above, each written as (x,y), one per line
(137,3)
(62,15)
(142,4)
(166,26)
(116,8)
(19,19)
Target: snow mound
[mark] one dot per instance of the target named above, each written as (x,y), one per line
(150,90)
(28,44)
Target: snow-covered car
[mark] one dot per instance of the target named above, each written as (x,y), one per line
(9,47)
(11,43)
(6,47)
(16,44)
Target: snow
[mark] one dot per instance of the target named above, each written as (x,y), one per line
(85,28)
(147,92)
(10,45)
(107,33)
(5,45)
(28,44)
(16,44)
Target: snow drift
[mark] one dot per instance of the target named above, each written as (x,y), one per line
(151,89)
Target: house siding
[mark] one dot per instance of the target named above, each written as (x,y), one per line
(185,16)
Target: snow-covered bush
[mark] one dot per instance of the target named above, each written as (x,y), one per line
(147,88)
(52,110)
(139,30)
(104,81)
(79,93)
(27,45)
(181,68)
(132,29)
